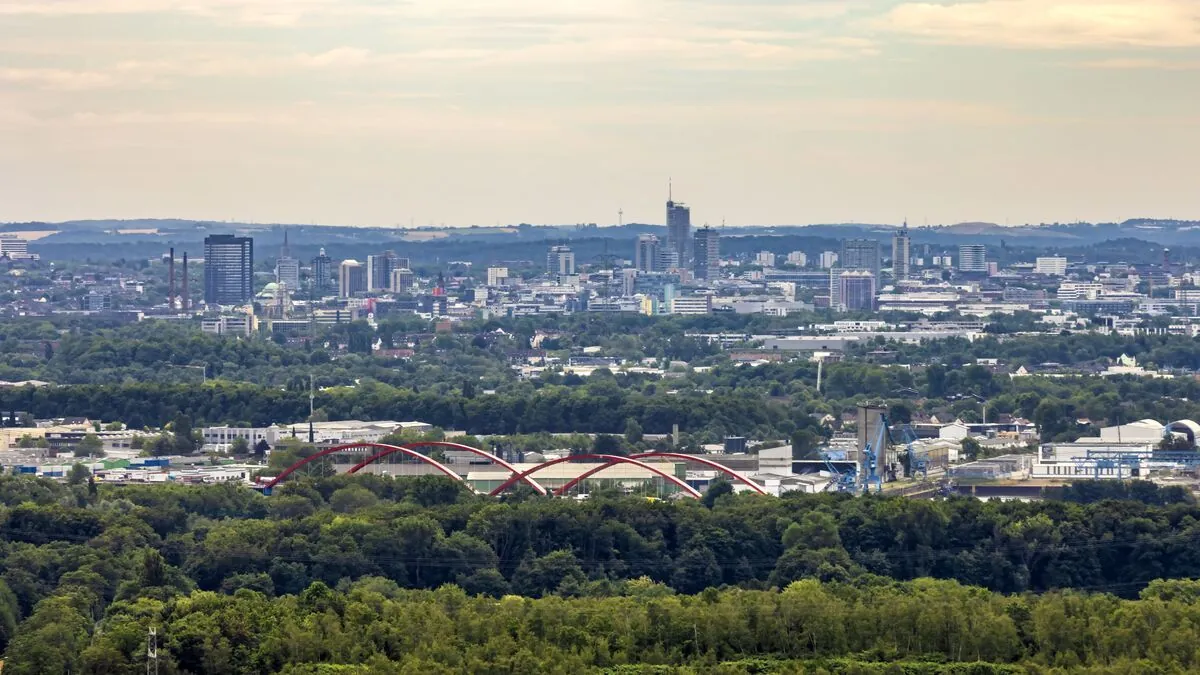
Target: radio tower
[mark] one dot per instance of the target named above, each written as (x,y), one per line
(152,652)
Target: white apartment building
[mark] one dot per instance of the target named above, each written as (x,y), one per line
(692,305)
(497,276)
(1081,290)
(1053,266)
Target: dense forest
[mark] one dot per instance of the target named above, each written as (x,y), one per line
(417,576)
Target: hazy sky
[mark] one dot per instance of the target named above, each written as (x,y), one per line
(378,112)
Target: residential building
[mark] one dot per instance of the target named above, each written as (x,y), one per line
(560,261)
(1051,266)
(287,273)
(707,253)
(857,291)
(403,280)
(322,273)
(679,231)
(646,255)
(352,278)
(901,250)
(797,258)
(765,258)
(828,259)
(228,269)
(860,254)
(972,258)
(497,276)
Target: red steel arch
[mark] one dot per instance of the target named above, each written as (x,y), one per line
(391,449)
(342,448)
(608,460)
(672,455)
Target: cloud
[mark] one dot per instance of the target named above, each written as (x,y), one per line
(1050,24)
(1139,64)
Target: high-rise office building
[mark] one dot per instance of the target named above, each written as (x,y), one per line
(972,258)
(322,273)
(352,278)
(857,291)
(379,270)
(645,256)
(497,276)
(707,264)
(679,230)
(901,253)
(403,280)
(560,261)
(835,287)
(287,268)
(228,269)
(860,254)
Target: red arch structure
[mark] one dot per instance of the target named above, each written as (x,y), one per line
(608,460)
(392,449)
(670,455)
(350,446)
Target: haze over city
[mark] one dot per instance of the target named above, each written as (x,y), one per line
(363,112)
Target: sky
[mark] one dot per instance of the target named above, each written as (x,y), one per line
(462,112)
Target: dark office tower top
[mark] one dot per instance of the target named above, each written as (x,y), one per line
(228,269)
(860,254)
(679,230)
(322,272)
(901,250)
(708,253)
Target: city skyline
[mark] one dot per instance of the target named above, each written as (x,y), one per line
(365,113)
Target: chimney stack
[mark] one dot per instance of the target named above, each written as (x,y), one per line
(187,299)
(171,280)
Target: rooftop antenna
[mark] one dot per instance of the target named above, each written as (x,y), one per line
(670,197)
(620,217)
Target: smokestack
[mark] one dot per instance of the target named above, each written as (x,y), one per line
(171,280)
(187,299)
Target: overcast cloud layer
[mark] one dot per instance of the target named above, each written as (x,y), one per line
(374,112)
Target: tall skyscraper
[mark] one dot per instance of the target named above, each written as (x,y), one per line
(560,261)
(857,291)
(901,249)
(860,254)
(379,270)
(228,269)
(645,257)
(708,253)
(972,258)
(352,278)
(679,229)
(322,271)
(287,268)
